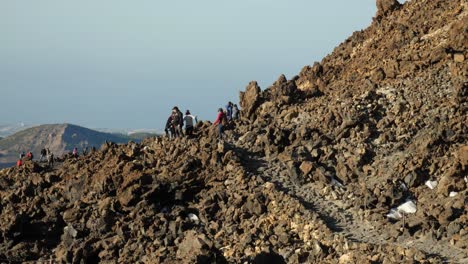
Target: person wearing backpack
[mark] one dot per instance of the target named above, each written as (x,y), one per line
(190,121)
(169,129)
(220,121)
(50,158)
(43,154)
(235,112)
(229,111)
(75,152)
(175,123)
(180,119)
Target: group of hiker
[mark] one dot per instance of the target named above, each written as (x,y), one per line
(174,129)
(46,156)
(225,117)
(176,121)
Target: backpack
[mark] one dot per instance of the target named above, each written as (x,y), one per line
(223,119)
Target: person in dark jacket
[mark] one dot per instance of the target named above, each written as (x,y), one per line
(43,154)
(169,129)
(175,123)
(180,119)
(229,111)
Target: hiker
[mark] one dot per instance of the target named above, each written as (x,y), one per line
(22,155)
(175,123)
(50,159)
(19,163)
(85,151)
(75,152)
(190,121)
(229,111)
(220,121)
(169,129)
(181,119)
(235,112)
(29,155)
(43,154)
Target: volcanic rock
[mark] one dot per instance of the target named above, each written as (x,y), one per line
(307,176)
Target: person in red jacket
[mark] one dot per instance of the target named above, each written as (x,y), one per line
(220,120)
(19,163)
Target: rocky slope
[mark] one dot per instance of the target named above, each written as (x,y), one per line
(310,175)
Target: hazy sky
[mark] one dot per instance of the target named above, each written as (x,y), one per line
(124,64)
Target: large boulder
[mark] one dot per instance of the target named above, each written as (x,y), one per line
(386,6)
(250,99)
(283,91)
(309,81)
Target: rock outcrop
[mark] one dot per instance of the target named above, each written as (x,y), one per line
(386,6)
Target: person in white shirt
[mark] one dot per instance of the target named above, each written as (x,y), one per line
(190,122)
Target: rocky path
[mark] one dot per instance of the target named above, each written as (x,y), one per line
(342,218)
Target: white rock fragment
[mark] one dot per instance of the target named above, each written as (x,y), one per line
(394,214)
(193,217)
(431,184)
(408,207)
(453,194)
(70,230)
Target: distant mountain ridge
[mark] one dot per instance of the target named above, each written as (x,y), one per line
(59,138)
(10,129)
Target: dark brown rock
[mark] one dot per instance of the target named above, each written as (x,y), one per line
(250,99)
(385,6)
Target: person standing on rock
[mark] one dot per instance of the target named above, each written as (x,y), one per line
(180,119)
(220,120)
(190,121)
(229,111)
(169,129)
(22,155)
(175,123)
(75,152)
(43,154)
(235,112)
(50,159)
